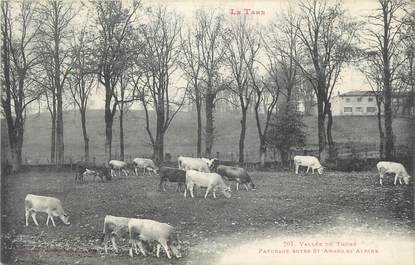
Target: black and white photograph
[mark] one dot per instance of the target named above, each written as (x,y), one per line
(234,132)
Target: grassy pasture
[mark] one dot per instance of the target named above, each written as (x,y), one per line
(181,136)
(283,204)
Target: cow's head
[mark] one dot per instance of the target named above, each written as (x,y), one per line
(65,218)
(320,170)
(175,246)
(213,164)
(227,192)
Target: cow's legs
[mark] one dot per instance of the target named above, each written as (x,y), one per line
(47,220)
(396,178)
(296,168)
(131,248)
(246,187)
(237,185)
(207,192)
(34,218)
(166,248)
(308,168)
(114,244)
(106,243)
(191,190)
(380,178)
(214,193)
(141,247)
(185,190)
(27,212)
(53,221)
(312,169)
(158,250)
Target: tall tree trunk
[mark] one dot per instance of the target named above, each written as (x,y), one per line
(121,133)
(59,131)
(159,143)
(381,134)
(53,138)
(85,135)
(389,144)
(209,107)
(109,119)
(199,126)
(321,130)
(262,151)
(242,134)
(332,149)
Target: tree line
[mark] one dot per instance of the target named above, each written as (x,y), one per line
(58,52)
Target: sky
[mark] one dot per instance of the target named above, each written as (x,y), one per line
(351,78)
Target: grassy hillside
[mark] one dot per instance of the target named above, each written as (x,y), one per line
(181,137)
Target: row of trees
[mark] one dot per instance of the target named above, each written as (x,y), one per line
(59,52)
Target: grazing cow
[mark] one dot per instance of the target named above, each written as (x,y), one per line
(121,166)
(172,175)
(199,164)
(385,167)
(43,204)
(309,162)
(145,164)
(144,230)
(83,169)
(237,174)
(114,227)
(212,181)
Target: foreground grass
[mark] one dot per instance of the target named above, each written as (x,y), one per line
(284,203)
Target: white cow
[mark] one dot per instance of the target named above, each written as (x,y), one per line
(43,204)
(145,230)
(114,226)
(212,181)
(121,166)
(145,164)
(199,164)
(385,167)
(309,162)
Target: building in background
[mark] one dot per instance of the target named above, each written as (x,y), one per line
(357,103)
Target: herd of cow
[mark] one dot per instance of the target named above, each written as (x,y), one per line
(201,172)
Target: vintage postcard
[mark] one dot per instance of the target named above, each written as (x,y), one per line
(216,132)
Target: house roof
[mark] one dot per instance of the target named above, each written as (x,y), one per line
(358,93)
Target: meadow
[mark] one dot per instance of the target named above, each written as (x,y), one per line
(284,204)
(181,136)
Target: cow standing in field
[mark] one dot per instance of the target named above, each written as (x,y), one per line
(385,167)
(212,181)
(172,175)
(309,162)
(237,174)
(145,164)
(120,166)
(145,230)
(199,164)
(43,204)
(114,226)
(85,170)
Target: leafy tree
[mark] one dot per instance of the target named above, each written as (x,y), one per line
(288,131)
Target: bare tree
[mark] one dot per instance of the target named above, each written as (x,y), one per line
(209,32)
(266,94)
(328,37)
(385,33)
(161,53)
(18,61)
(54,17)
(238,53)
(370,68)
(82,80)
(282,47)
(114,28)
(305,93)
(191,66)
